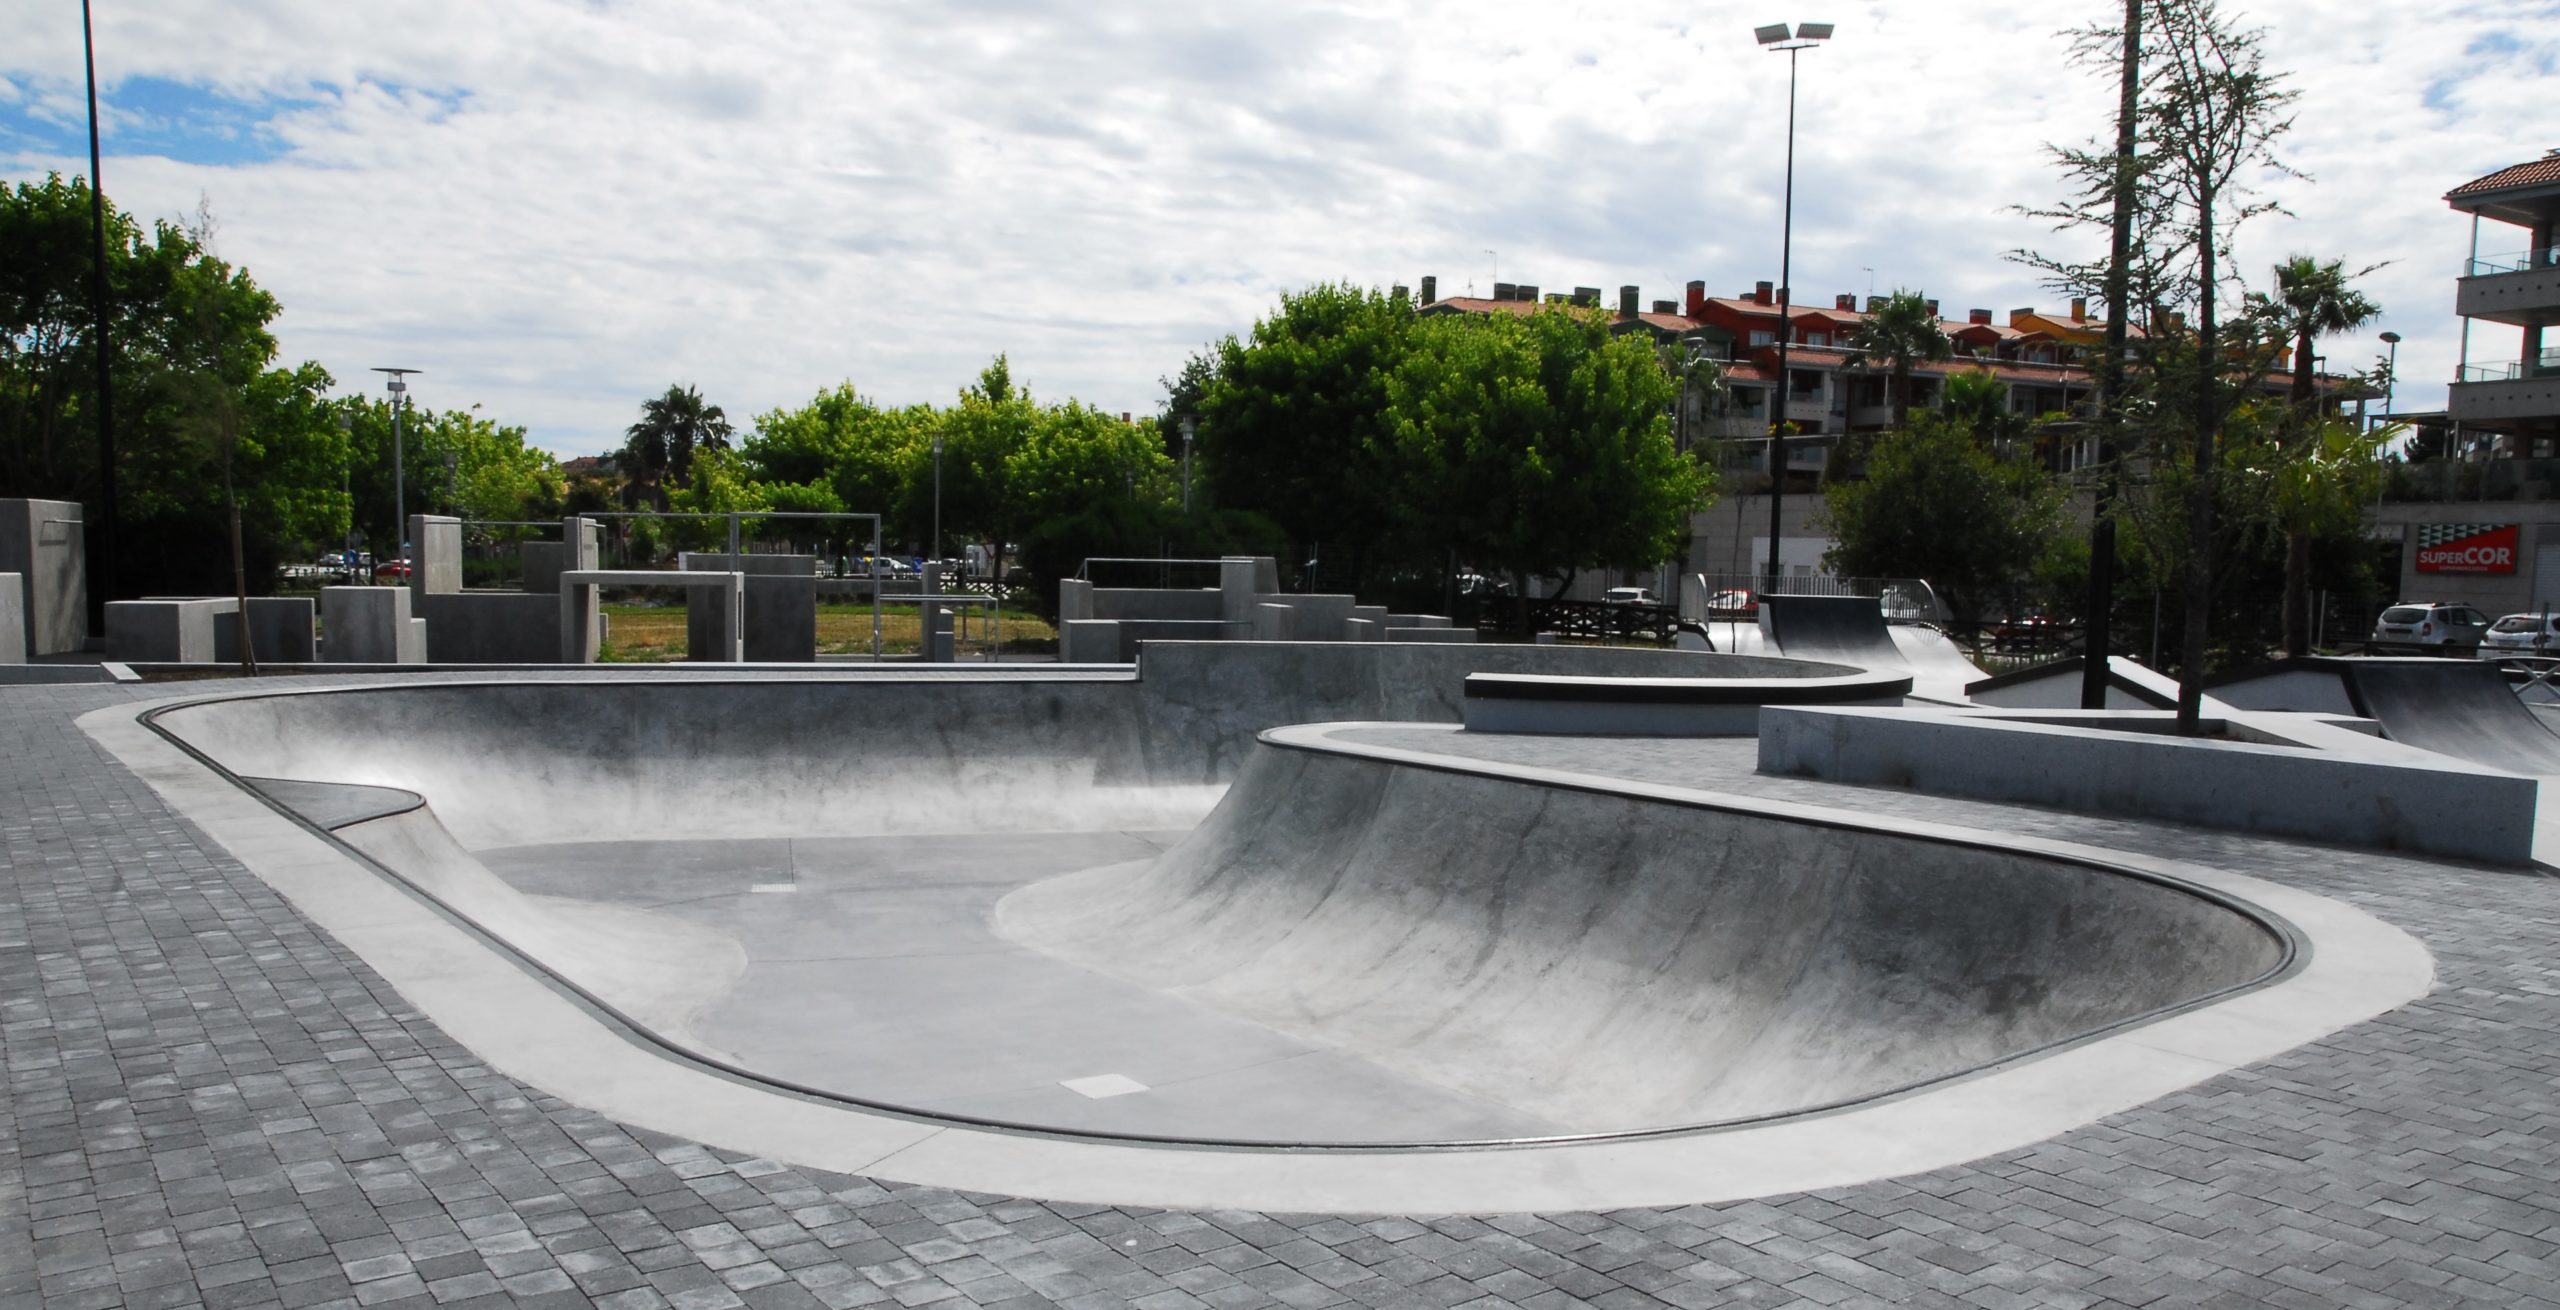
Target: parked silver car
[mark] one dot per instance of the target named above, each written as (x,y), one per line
(2522,634)
(2430,623)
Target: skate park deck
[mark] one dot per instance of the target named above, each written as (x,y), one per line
(2262,1181)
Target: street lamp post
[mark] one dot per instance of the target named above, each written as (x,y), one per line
(1189,424)
(2391,376)
(937,503)
(1777,36)
(399,387)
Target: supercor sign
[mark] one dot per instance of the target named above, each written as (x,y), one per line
(2467,547)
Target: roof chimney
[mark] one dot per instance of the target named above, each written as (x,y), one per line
(1397,291)
(2017,316)
(1760,292)
(1627,302)
(1977,316)
(1559,298)
(1504,291)
(1430,289)
(2079,306)
(1525,292)
(1931,306)
(1666,307)
(1875,303)
(1849,303)
(1586,295)
(1697,305)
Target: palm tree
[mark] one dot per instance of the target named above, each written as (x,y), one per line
(1901,332)
(671,428)
(1701,377)
(2312,300)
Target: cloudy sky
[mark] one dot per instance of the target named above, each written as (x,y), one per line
(556,209)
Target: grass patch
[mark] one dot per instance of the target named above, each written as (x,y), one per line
(655,634)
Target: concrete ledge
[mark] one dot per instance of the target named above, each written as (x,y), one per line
(2284,775)
(1666,707)
(1440,631)
(725,636)
(13,618)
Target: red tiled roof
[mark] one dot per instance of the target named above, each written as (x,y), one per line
(1472,305)
(1671,322)
(2539,172)
(1740,306)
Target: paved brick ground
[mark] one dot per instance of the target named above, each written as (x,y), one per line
(208,1102)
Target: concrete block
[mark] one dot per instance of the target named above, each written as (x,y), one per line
(280,631)
(435,543)
(1361,630)
(1236,593)
(496,627)
(1266,574)
(1075,600)
(1274,622)
(13,618)
(1089,641)
(1443,633)
(1417,620)
(1373,615)
(781,616)
(939,646)
(413,642)
(367,625)
(168,631)
(1320,615)
(45,544)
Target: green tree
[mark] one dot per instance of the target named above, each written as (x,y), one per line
(1291,424)
(1698,368)
(865,457)
(1536,445)
(1937,503)
(1901,332)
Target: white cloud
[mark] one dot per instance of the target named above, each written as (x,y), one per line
(557,209)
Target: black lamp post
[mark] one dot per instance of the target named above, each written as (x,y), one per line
(1777,36)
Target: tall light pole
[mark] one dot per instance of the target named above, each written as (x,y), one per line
(2391,376)
(1774,37)
(399,386)
(937,503)
(103,545)
(1189,424)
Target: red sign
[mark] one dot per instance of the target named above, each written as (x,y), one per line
(2467,547)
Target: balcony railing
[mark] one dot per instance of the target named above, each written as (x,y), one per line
(2546,365)
(2518,262)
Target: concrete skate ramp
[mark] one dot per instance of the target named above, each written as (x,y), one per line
(2461,708)
(2465,709)
(1834,629)
(1615,964)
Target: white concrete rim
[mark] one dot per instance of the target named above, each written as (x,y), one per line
(2352,967)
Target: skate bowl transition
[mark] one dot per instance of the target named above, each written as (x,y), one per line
(1142,912)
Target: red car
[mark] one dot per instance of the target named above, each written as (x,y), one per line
(394,568)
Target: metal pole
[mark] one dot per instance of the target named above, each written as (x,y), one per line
(103,543)
(1786,329)
(937,497)
(2102,522)
(399,476)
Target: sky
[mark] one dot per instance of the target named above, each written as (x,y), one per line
(558,208)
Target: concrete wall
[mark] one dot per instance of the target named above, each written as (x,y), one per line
(43,542)
(580,547)
(496,627)
(13,618)
(1150,603)
(280,631)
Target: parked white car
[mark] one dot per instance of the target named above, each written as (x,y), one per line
(2521,634)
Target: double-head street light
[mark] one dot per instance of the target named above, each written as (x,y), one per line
(1774,37)
(399,386)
